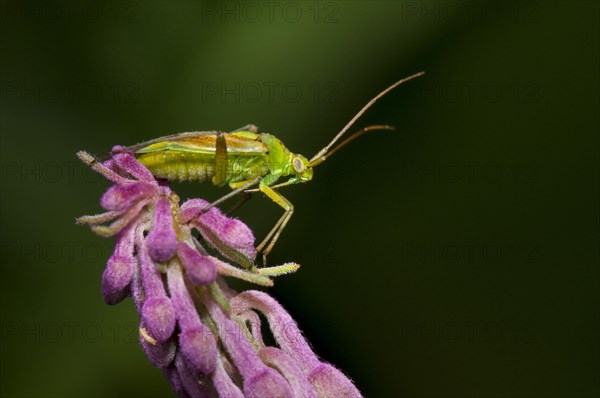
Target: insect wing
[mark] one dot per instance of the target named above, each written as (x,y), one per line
(202,142)
(167,138)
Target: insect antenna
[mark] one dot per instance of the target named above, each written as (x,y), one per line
(347,140)
(320,156)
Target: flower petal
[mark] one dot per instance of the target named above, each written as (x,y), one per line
(121,197)
(199,349)
(162,239)
(325,378)
(122,222)
(127,162)
(120,268)
(281,361)
(283,327)
(101,168)
(159,354)
(330,382)
(259,379)
(255,326)
(201,270)
(159,317)
(231,237)
(194,386)
(267,383)
(172,375)
(157,311)
(223,384)
(197,342)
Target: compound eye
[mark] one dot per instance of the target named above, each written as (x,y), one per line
(298,165)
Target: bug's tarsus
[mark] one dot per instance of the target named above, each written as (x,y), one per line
(325,150)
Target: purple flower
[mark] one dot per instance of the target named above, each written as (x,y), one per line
(205,336)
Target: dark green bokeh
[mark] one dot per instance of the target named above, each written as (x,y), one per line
(455,257)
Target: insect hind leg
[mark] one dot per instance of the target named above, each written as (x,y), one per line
(241,188)
(275,232)
(249,127)
(244,196)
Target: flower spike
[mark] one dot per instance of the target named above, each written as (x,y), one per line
(173,261)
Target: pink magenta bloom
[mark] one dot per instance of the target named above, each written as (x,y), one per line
(205,337)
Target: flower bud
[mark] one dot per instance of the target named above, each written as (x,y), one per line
(223,384)
(123,196)
(281,361)
(194,386)
(199,348)
(267,383)
(228,235)
(330,382)
(201,270)
(159,354)
(159,317)
(162,239)
(127,162)
(120,269)
(197,343)
(172,376)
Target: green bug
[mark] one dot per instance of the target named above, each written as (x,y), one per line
(242,159)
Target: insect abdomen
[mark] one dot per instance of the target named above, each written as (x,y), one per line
(179,166)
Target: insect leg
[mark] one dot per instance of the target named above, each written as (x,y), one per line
(244,197)
(242,187)
(220,176)
(273,235)
(249,127)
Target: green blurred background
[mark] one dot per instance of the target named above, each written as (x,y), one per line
(455,257)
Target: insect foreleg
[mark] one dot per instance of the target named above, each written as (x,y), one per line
(273,235)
